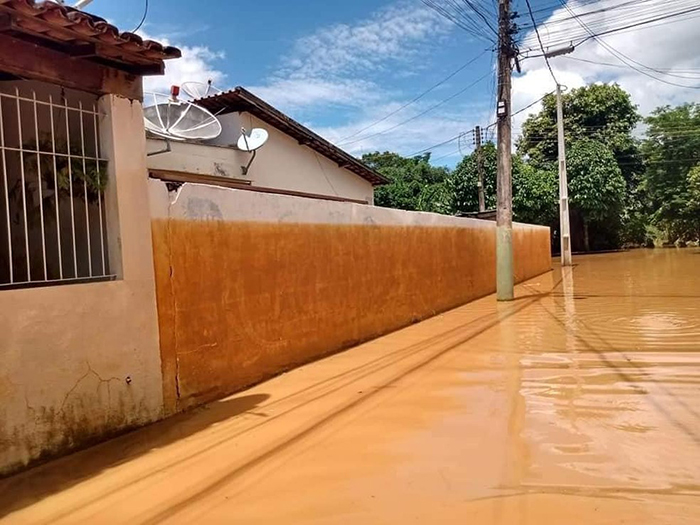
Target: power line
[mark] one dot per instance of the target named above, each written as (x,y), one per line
(143,18)
(639,16)
(425,150)
(664,71)
(461,16)
(417,98)
(524,108)
(617,54)
(431,108)
(539,39)
(628,13)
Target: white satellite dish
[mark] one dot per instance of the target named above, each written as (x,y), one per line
(252,143)
(175,119)
(197,90)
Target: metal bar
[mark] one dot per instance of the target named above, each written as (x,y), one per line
(182,115)
(41,190)
(7,193)
(56,193)
(58,154)
(20,284)
(41,102)
(99,198)
(24,192)
(85,192)
(70,189)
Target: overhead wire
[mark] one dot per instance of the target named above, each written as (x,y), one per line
(539,39)
(143,18)
(625,16)
(431,108)
(461,14)
(618,54)
(674,72)
(417,98)
(448,141)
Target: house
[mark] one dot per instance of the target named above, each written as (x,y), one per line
(294,161)
(79,352)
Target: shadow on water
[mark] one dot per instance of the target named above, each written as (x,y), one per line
(40,482)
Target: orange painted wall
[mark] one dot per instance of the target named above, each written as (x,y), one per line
(242,301)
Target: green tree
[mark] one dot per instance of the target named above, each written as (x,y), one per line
(672,151)
(596,192)
(604,113)
(535,191)
(535,195)
(415,184)
(692,208)
(464,192)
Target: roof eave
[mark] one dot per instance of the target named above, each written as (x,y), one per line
(241,99)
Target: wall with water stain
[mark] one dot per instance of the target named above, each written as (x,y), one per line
(80,362)
(252,284)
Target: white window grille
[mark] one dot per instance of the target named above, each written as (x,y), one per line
(53,224)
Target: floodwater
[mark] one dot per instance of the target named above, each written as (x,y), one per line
(577,403)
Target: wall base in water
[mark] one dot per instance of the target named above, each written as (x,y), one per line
(250,285)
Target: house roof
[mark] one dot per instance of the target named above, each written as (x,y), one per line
(82,35)
(239,99)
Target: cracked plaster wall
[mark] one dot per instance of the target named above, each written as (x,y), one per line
(81,362)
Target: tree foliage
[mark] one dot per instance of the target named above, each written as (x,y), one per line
(534,190)
(620,187)
(596,189)
(672,153)
(603,112)
(415,184)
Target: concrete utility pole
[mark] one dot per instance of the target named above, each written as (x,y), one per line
(564,228)
(504,189)
(479,168)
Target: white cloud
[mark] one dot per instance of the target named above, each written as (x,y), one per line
(299,93)
(335,65)
(666,46)
(198,63)
(392,34)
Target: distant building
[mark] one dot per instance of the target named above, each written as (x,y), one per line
(295,160)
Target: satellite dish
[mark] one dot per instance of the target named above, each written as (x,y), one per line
(252,141)
(197,90)
(175,119)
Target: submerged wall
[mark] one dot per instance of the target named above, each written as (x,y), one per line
(252,284)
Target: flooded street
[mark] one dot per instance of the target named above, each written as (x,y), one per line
(577,403)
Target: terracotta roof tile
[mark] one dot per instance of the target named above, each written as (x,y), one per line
(63,25)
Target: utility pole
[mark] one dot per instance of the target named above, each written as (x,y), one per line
(504,189)
(564,228)
(479,168)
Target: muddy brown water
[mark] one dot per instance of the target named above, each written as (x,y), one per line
(577,403)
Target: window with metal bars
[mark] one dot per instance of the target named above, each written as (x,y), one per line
(53,222)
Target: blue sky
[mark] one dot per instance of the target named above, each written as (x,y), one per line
(338,67)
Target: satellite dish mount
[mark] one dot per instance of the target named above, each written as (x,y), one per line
(251,143)
(170,118)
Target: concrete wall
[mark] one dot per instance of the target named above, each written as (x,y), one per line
(252,284)
(282,163)
(78,362)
